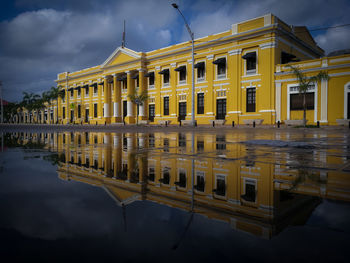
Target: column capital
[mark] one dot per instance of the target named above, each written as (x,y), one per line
(141,70)
(114,74)
(128,72)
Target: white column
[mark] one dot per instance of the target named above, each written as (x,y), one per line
(130,112)
(116,109)
(106,110)
(278,101)
(324,100)
(142,110)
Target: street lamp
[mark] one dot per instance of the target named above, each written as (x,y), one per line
(192,40)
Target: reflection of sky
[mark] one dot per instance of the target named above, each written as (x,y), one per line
(41,213)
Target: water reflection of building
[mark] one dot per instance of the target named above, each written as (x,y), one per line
(255,191)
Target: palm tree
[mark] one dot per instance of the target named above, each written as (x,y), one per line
(29,100)
(305,82)
(55,93)
(138,100)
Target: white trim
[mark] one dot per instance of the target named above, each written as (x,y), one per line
(278,101)
(235,52)
(245,62)
(251,80)
(340,74)
(268,45)
(221,84)
(251,181)
(346,91)
(204,79)
(324,101)
(222,76)
(234,112)
(266,110)
(335,60)
(125,51)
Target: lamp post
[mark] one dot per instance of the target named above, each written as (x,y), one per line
(192,40)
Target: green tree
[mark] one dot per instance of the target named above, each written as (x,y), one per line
(30,101)
(304,82)
(138,99)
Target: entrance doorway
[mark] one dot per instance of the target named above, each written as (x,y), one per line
(182,110)
(125,108)
(220,109)
(151,112)
(86,115)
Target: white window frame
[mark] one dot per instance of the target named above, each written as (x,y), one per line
(182,82)
(87,95)
(201,174)
(154,84)
(251,72)
(346,91)
(169,171)
(201,80)
(178,176)
(314,90)
(163,83)
(222,76)
(95,93)
(215,183)
(251,181)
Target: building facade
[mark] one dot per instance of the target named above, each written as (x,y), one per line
(240,76)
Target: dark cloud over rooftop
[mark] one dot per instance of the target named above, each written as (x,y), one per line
(42,38)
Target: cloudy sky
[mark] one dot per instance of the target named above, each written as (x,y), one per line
(40,38)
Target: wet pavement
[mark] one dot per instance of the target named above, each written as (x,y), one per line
(170,195)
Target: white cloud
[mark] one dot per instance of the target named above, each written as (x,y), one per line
(334,39)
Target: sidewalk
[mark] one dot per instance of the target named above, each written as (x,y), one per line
(169,128)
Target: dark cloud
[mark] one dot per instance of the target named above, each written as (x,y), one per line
(50,37)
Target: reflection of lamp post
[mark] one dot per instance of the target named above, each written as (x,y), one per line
(192,40)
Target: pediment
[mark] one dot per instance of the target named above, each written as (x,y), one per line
(121,196)
(121,55)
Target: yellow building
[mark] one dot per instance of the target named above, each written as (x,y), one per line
(327,102)
(238,77)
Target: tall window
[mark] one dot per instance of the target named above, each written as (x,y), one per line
(250,99)
(71,92)
(64,112)
(220,186)
(86,90)
(166,105)
(220,67)
(182,73)
(250,59)
(166,76)
(151,112)
(200,66)
(79,111)
(200,103)
(296,101)
(150,76)
(95,110)
(95,90)
(79,92)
